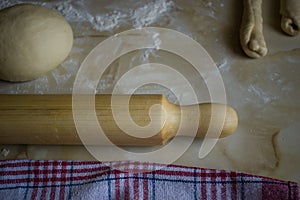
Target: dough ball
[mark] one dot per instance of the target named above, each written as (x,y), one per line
(33,41)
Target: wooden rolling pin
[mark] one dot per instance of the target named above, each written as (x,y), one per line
(48,119)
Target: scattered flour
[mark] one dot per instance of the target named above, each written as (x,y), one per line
(108,18)
(260,93)
(150,12)
(4,152)
(138,16)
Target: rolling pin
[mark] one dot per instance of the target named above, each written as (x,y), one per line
(48,119)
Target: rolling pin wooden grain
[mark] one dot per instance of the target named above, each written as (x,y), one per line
(48,119)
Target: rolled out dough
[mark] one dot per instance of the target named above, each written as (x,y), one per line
(251,33)
(33,41)
(290,16)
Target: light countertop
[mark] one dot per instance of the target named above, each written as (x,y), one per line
(265,92)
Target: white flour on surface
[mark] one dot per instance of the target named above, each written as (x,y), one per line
(138,16)
(107,18)
(265,92)
(194,18)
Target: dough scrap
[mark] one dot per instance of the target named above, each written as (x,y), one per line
(290,16)
(33,41)
(251,33)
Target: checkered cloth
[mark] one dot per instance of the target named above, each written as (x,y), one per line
(30,179)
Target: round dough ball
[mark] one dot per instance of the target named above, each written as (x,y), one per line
(33,41)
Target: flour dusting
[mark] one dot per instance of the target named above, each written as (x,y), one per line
(83,17)
(139,16)
(150,12)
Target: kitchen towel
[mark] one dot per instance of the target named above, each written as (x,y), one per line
(52,179)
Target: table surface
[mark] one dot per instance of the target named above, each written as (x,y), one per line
(264,91)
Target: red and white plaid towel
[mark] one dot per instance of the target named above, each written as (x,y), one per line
(30,179)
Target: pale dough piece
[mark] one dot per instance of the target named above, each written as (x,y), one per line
(290,16)
(251,33)
(33,41)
